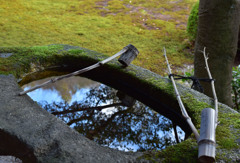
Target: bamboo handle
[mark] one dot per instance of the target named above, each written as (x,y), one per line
(53,80)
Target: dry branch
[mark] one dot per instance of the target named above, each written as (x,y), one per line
(183,110)
(213,87)
(53,80)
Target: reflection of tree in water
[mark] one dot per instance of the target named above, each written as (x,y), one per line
(118,125)
(66,87)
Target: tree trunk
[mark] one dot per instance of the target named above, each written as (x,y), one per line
(217,31)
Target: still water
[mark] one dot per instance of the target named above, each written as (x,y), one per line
(105,115)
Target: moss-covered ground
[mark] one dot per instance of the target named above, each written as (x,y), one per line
(105,26)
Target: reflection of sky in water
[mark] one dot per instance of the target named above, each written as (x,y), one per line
(54,92)
(47,95)
(51,94)
(79,95)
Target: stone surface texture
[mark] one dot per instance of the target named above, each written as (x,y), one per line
(34,135)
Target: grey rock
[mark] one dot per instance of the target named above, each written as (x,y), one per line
(34,135)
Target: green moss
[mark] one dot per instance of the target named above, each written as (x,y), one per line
(225,135)
(194,108)
(228,143)
(23,58)
(236,123)
(76,51)
(192,24)
(116,6)
(103,26)
(183,152)
(46,49)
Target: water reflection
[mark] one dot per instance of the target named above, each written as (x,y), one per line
(107,116)
(68,90)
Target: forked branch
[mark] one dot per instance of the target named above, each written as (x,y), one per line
(183,110)
(213,87)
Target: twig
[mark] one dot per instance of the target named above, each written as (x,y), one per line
(53,80)
(175,132)
(84,109)
(183,110)
(213,87)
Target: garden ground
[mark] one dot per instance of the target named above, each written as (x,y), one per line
(105,26)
